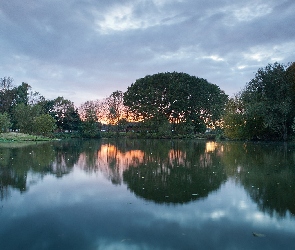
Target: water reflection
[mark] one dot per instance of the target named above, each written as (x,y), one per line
(162,171)
(175,172)
(267,173)
(36,160)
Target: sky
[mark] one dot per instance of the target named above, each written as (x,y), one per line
(86,49)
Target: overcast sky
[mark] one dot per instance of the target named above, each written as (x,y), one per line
(86,49)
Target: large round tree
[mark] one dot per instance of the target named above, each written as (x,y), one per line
(177,97)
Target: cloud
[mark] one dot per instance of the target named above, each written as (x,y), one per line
(88,49)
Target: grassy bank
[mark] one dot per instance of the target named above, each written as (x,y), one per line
(21,137)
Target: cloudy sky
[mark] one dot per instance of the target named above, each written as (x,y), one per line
(86,49)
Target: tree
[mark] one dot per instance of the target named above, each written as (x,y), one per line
(112,110)
(44,124)
(176,97)
(90,127)
(24,116)
(268,103)
(7,94)
(6,83)
(88,110)
(72,121)
(4,122)
(22,93)
(234,119)
(290,71)
(11,96)
(115,107)
(64,112)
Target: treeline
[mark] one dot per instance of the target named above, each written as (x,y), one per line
(163,105)
(26,111)
(265,108)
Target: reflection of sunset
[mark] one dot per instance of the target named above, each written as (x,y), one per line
(214,146)
(109,153)
(112,162)
(211,146)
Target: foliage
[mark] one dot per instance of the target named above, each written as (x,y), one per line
(90,127)
(264,110)
(6,94)
(88,110)
(6,83)
(24,116)
(4,122)
(112,111)
(176,97)
(164,105)
(268,103)
(22,94)
(164,129)
(122,125)
(46,106)
(116,108)
(65,114)
(234,119)
(11,96)
(44,124)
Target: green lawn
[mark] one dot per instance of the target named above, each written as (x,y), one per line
(20,137)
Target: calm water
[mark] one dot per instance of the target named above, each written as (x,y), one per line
(141,194)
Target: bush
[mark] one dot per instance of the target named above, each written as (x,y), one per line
(90,129)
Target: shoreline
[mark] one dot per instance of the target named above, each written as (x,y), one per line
(21,137)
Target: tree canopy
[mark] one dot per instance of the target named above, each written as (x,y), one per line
(163,105)
(90,126)
(4,122)
(265,107)
(177,97)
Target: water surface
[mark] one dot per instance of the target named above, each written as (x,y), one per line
(147,194)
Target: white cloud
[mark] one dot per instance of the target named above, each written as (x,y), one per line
(269,53)
(124,17)
(118,18)
(248,13)
(214,58)
(106,45)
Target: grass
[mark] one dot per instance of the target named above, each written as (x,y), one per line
(21,137)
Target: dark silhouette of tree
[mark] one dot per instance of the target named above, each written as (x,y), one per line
(264,109)
(177,97)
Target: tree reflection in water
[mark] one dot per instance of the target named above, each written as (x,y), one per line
(267,172)
(175,173)
(162,171)
(35,160)
(181,171)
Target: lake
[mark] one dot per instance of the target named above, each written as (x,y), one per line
(147,194)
